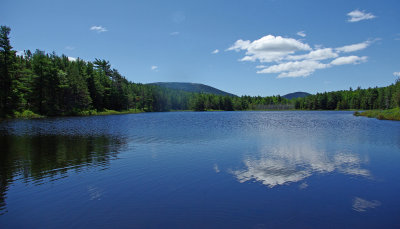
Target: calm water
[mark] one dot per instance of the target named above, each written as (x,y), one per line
(201,170)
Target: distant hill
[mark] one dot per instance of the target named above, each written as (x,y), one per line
(296,95)
(192,87)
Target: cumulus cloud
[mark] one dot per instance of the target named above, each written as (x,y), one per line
(215,51)
(289,57)
(349,60)
(98,29)
(396,74)
(301,34)
(71,58)
(154,68)
(239,45)
(357,15)
(318,54)
(294,68)
(354,47)
(269,48)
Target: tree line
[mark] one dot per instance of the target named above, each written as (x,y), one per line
(365,99)
(52,85)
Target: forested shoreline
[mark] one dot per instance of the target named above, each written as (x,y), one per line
(45,84)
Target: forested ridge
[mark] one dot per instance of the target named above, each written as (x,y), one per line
(51,85)
(192,87)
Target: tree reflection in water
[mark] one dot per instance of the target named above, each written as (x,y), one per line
(43,158)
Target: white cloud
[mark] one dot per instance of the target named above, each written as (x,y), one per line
(301,34)
(357,15)
(20,53)
(154,68)
(283,53)
(294,68)
(71,58)
(98,29)
(354,47)
(269,48)
(239,45)
(174,33)
(349,60)
(396,74)
(318,54)
(215,51)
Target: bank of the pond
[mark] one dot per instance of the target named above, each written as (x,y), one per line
(109,112)
(28,114)
(390,114)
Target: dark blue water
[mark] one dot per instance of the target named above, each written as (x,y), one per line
(201,170)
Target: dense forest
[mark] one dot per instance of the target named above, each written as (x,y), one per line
(51,85)
(364,99)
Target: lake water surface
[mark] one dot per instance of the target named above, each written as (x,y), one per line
(291,169)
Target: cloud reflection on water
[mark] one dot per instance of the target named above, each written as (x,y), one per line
(288,164)
(94,192)
(362,205)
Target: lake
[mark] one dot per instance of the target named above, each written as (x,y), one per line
(278,169)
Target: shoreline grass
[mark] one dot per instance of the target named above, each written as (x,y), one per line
(390,114)
(28,114)
(108,112)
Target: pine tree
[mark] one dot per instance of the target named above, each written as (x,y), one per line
(6,64)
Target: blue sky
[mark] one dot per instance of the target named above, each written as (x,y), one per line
(264,47)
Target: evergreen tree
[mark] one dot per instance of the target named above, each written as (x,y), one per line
(7,57)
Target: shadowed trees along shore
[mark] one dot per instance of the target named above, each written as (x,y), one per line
(38,83)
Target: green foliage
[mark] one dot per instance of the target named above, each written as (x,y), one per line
(390,114)
(41,84)
(366,99)
(52,85)
(26,114)
(7,73)
(107,112)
